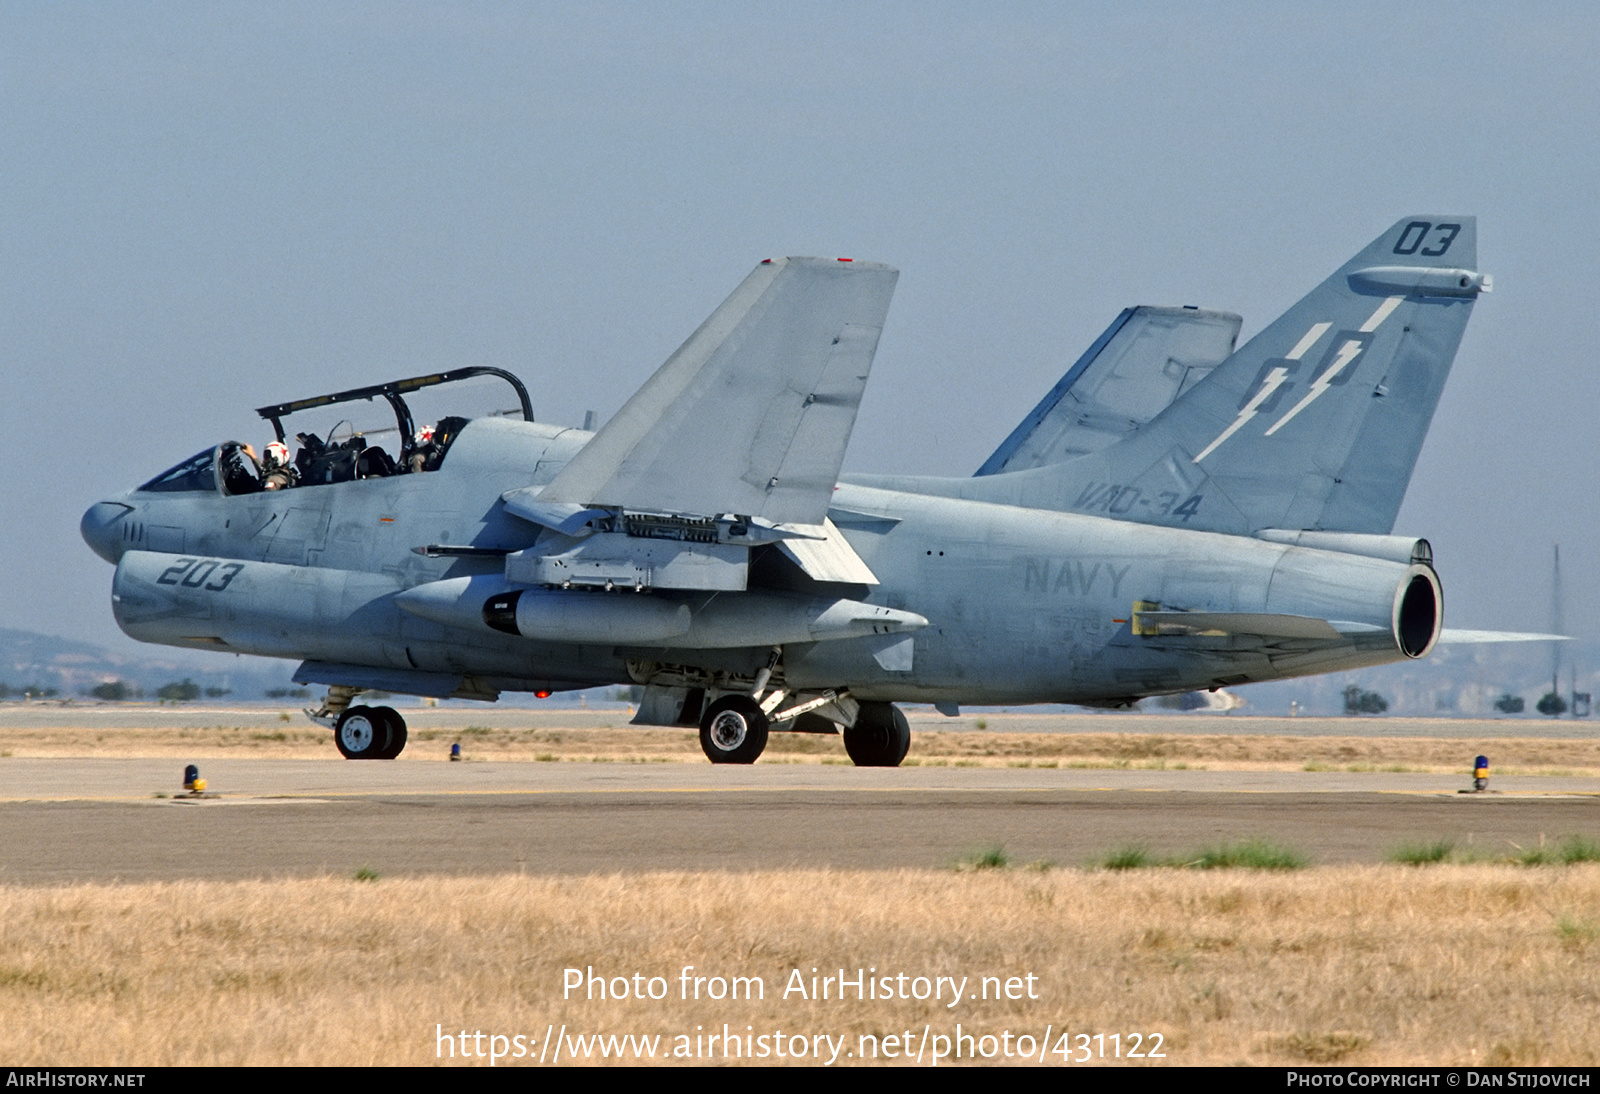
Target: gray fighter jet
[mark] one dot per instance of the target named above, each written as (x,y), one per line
(1176,515)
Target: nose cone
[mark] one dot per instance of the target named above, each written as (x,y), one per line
(101,528)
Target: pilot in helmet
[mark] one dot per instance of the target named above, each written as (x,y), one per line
(276,471)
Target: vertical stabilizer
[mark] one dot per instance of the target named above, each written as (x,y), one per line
(1315,423)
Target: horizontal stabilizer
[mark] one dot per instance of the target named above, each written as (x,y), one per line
(1456,637)
(752,414)
(1264,624)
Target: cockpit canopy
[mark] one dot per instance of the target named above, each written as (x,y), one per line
(235,468)
(198,472)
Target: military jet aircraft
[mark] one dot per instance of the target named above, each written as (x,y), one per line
(1176,515)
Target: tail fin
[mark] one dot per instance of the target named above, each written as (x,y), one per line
(1315,423)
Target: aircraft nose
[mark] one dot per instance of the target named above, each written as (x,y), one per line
(101,528)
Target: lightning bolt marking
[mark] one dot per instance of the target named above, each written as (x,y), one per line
(1347,353)
(1273,381)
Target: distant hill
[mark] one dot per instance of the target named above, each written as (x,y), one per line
(71,669)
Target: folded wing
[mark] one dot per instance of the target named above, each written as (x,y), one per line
(752,414)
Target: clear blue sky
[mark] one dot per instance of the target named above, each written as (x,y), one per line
(209,207)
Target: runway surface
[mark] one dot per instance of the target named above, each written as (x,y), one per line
(66,820)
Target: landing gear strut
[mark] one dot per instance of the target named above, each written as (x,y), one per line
(880,738)
(733,730)
(370,733)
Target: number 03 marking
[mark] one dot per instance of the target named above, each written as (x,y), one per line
(1437,236)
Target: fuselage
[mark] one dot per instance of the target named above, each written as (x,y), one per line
(1023,605)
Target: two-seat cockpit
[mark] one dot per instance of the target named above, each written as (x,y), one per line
(340,454)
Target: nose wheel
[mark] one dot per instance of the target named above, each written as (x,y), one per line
(370,733)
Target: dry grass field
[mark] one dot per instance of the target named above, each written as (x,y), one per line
(1359,965)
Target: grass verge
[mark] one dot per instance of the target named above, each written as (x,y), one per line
(987,858)
(1245,855)
(1570,851)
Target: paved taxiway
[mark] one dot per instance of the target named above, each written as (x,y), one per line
(64,820)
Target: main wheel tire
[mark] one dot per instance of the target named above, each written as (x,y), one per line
(362,734)
(733,730)
(881,736)
(397,732)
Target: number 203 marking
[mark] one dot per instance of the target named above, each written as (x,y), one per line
(192,573)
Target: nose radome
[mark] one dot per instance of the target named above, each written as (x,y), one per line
(101,528)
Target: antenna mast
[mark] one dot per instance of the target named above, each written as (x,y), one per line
(1555,622)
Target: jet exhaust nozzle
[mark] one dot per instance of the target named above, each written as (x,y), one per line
(1370,600)
(1418,612)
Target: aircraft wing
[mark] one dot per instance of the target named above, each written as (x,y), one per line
(1135,370)
(752,414)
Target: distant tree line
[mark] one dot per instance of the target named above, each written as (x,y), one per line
(1357,701)
(28,691)
(1550,704)
(120,691)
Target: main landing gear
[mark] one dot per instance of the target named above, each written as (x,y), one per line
(370,733)
(733,730)
(880,738)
